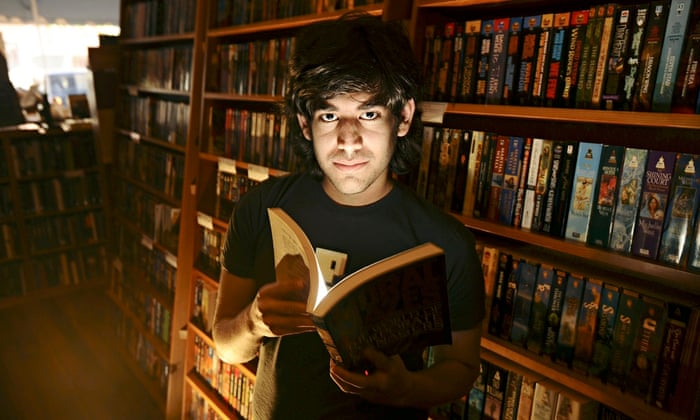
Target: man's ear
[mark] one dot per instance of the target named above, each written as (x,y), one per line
(406,117)
(304,125)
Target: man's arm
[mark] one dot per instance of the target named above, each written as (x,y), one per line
(451,376)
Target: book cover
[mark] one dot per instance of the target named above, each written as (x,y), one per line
(616,68)
(531,184)
(577,37)
(532,25)
(585,178)
(544,56)
(631,181)
(461,172)
(522,182)
(602,344)
(572,405)
(508,300)
(497,64)
(476,396)
(562,194)
(484,61)
(349,316)
(554,176)
(523,302)
(558,59)
(473,168)
(538,312)
(496,381)
(543,178)
(684,200)
(512,395)
(634,53)
(589,56)
(527,393)
(511,180)
(651,54)
(673,342)
(566,339)
(497,174)
(669,59)
(629,313)
(603,54)
(586,325)
(605,195)
(483,188)
(503,271)
(554,312)
(472,45)
(652,209)
(544,400)
(647,348)
(687,86)
(514,51)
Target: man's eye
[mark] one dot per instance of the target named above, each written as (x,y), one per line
(370,115)
(328,117)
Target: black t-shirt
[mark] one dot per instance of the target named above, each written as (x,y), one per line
(293,379)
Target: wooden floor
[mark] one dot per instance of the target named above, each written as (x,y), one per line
(57,361)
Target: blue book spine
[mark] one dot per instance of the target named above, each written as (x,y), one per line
(511,179)
(538,311)
(581,203)
(523,302)
(602,346)
(631,181)
(566,340)
(605,195)
(586,325)
(497,65)
(515,44)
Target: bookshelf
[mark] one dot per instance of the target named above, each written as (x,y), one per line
(52,211)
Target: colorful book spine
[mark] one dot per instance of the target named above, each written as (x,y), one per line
(489,268)
(616,68)
(512,395)
(497,60)
(508,300)
(603,54)
(475,151)
(538,312)
(651,54)
(605,196)
(503,271)
(497,379)
(589,58)
(544,400)
(585,178)
(531,184)
(485,171)
(687,88)
(482,70)
(586,325)
(511,180)
(527,393)
(497,175)
(652,210)
(577,36)
(629,313)
(556,303)
(472,35)
(523,302)
(682,207)
(532,25)
(542,186)
(566,338)
(456,76)
(602,345)
(520,196)
(446,55)
(639,25)
(564,187)
(554,176)
(478,392)
(461,171)
(544,55)
(647,348)
(694,253)
(669,60)
(514,51)
(631,181)
(559,58)
(669,358)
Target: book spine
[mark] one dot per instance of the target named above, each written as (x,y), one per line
(554,312)
(497,176)
(538,312)
(508,301)
(472,44)
(633,59)
(544,55)
(514,51)
(482,70)
(679,13)
(602,345)
(563,191)
(511,180)
(673,342)
(603,54)
(605,195)
(586,325)
(631,181)
(579,26)
(512,395)
(532,173)
(520,194)
(461,171)
(651,54)
(543,179)
(446,55)
(485,171)
(687,87)
(457,64)
(626,326)
(523,302)
(531,29)
(475,155)
(558,59)
(502,274)
(495,391)
(566,338)
(497,60)
(589,60)
(554,176)
(585,179)
(616,68)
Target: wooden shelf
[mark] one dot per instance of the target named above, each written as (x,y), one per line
(158,39)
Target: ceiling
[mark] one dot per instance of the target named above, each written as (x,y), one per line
(71,11)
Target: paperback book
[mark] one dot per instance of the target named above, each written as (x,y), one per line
(631,181)
(538,312)
(586,325)
(605,195)
(585,178)
(602,344)
(523,302)
(566,339)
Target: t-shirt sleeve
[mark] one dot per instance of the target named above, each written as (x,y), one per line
(465,282)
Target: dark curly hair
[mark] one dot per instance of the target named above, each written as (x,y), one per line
(355,53)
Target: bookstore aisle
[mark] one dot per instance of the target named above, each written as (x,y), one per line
(58,362)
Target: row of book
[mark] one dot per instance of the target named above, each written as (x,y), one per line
(156,17)
(11,279)
(250,136)
(203,305)
(76,267)
(161,169)
(155,117)
(53,155)
(158,68)
(70,229)
(240,12)
(228,380)
(631,200)
(612,56)
(256,67)
(200,408)
(79,190)
(631,340)
(209,257)
(230,187)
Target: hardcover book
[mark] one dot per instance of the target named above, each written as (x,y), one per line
(602,344)
(605,195)
(511,180)
(562,194)
(603,54)
(674,36)
(631,181)
(585,178)
(682,207)
(532,25)
(554,312)
(652,210)
(579,26)
(558,60)
(484,61)
(523,302)
(498,56)
(566,339)
(629,313)
(651,54)
(349,317)
(544,55)
(586,325)
(514,51)
(616,68)
(637,35)
(687,87)
(472,45)
(538,312)
(647,348)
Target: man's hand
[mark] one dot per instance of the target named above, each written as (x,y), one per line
(389,384)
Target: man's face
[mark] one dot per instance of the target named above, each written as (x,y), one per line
(353,142)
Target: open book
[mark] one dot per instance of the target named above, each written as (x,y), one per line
(395,304)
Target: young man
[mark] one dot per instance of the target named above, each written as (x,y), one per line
(353,90)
